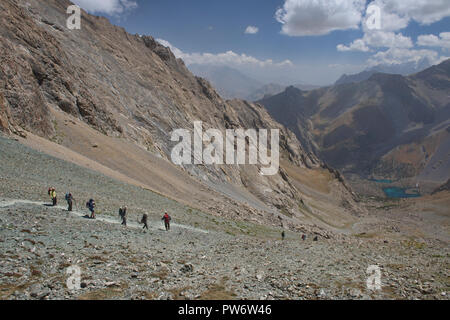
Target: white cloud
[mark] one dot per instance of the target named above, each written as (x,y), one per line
(228,58)
(389,20)
(319,17)
(251,30)
(111,7)
(423,11)
(386,39)
(403,55)
(378,39)
(430,40)
(396,15)
(357,45)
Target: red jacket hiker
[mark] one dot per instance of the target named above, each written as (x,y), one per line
(166,219)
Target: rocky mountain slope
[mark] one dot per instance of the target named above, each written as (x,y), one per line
(388,125)
(203,256)
(110,100)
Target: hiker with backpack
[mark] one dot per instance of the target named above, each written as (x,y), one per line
(52,194)
(144,221)
(120,213)
(91,206)
(123,215)
(69,199)
(166,219)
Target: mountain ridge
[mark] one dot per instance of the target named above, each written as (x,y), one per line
(370,127)
(404,69)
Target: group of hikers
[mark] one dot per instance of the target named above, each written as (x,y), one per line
(123,215)
(283,236)
(122,211)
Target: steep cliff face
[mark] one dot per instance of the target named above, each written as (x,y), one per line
(128,87)
(36,73)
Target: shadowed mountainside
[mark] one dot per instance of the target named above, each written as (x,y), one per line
(388,125)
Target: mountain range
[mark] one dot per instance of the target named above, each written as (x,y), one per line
(233,84)
(97,113)
(229,82)
(388,125)
(404,69)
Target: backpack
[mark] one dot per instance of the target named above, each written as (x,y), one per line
(67,196)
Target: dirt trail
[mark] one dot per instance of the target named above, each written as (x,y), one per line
(130,224)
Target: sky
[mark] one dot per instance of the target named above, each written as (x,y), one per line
(289,41)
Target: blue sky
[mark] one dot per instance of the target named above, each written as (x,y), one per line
(311,41)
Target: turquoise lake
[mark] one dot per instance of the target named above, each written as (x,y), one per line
(400,193)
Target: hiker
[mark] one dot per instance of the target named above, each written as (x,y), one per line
(124,216)
(144,221)
(166,219)
(69,199)
(91,205)
(304,237)
(283,235)
(120,213)
(52,194)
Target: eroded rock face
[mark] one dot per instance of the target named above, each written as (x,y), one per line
(128,86)
(7,125)
(36,73)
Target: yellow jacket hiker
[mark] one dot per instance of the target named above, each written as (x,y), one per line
(52,194)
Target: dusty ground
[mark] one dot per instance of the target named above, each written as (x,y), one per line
(202,257)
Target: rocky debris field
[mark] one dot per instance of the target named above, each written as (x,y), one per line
(201,257)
